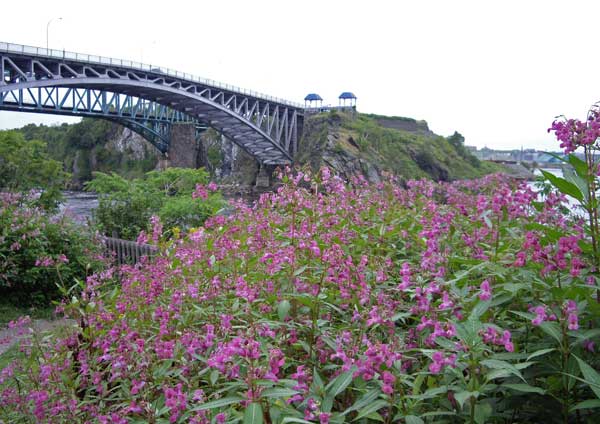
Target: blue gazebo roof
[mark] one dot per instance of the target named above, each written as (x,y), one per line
(311,97)
(347,95)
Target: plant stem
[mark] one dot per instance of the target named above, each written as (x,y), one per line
(472,416)
(592,210)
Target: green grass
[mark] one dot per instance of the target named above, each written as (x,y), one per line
(10,355)
(409,154)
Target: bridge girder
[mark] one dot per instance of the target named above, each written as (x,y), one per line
(149,119)
(146,100)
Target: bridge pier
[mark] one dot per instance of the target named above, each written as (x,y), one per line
(263,179)
(185,150)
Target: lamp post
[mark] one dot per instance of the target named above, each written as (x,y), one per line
(47,31)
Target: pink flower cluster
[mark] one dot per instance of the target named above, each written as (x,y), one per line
(439,361)
(318,281)
(491,336)
(573,133)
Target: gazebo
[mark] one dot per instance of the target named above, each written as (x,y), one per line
(313,97)
(347,96)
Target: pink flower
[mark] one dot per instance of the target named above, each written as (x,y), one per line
(136,385)
(212,186)
(142,238)
(485,291)
(439,361)
(324,417)
(540,315)
(571,310)
(506,339)
(388,382)
(446,302)
(200,192)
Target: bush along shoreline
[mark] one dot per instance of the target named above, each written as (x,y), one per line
(330,302)
(40,252)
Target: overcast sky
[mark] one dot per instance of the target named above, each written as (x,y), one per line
(497,72)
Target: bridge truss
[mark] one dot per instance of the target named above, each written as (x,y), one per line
(148,100)
(150,119)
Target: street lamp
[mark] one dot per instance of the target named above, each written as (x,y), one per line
(47,31)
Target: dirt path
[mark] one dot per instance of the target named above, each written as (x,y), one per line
(10,336)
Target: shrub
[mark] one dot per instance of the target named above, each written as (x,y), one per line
(39,251)
(125,206)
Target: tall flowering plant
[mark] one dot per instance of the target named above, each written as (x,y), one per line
(331,302)
(581,176)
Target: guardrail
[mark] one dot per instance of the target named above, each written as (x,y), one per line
(126,251)
(101,60)
(320,109)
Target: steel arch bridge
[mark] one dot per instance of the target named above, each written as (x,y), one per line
(147,99)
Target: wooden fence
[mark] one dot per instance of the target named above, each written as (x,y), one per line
(126,251)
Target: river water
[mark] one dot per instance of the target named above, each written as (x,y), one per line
(79,205)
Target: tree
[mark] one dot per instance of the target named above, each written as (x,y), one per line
(458,142)
(25,166)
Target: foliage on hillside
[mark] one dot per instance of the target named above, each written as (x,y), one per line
(84,148)
(375,141)
(180,198)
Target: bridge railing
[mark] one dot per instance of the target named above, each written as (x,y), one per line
(101,60)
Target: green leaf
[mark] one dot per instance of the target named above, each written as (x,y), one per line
(366,399)
(564,186)
(503,366)
(300,270)
(295,420)
(578,165)
(214,376)
(552,329)
(591,376)
(335,387)
(525,388)
(586,404)
(368,410)
(479,309)
(539,353)
(413,419)
(219,403)
(253,414)
(571,176)
(339,384)
(462,397)
(283,309)
(482,412)
(278,392)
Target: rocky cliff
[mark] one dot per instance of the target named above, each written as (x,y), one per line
(350,144)
(369,145)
